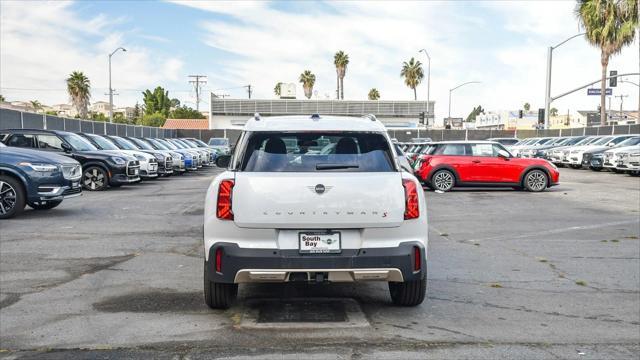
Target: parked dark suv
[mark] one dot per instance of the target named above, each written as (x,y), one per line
(35,178)
(99,169)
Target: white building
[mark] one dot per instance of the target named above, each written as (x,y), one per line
(234,113)
(101,107)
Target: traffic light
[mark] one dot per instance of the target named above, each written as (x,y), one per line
(541,116)
(613,82)
(421,117)
(520,114)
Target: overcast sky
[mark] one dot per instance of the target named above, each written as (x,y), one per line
(503,44)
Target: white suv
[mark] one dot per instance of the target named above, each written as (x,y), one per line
(284,211)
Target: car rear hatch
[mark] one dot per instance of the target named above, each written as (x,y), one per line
(318,201)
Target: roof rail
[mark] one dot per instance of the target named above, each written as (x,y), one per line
(315,116)
(370,117)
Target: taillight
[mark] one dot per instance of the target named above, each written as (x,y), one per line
(417,259)
(225,192)
(411,206)
(219,260)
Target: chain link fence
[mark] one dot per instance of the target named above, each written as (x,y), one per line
(13,119)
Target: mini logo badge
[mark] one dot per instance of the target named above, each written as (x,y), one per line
(319,189)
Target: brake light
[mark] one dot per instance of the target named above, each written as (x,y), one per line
(225,192)
(417,259)
(219,260)
(411,206)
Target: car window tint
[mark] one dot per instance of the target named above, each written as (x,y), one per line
(49,142)
(22,140)
(482,150)
(317,152)
(452,149)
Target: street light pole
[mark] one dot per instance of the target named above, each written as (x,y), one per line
(110,89)
(428,84)
(451,90)
(547,97)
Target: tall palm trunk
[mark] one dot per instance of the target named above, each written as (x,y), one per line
(337,85)
(415,94)
(342,87)
(604,60)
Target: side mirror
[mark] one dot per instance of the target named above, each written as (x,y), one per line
(611,144)
(66,147)
(223,161)
(503,154)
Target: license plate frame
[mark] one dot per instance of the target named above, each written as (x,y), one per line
(330,249)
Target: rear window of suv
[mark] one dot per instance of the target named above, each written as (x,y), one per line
(316,152)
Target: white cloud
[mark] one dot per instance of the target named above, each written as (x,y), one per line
(42,42)
(507,53)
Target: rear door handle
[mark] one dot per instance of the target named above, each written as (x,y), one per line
(476,161)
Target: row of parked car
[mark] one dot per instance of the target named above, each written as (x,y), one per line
(617,153)
(40,168)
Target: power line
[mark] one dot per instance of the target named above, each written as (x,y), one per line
(198,81)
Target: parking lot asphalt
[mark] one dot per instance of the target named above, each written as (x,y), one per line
(511,274)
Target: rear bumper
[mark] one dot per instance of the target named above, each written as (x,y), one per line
(241,265)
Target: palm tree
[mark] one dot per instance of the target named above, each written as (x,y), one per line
(308,80)
(609,25)
(413,75)
(79,89)
(527,106)
(553,111)
(2,98)
(278,89)
(340,60)
(374,94)
(36,105)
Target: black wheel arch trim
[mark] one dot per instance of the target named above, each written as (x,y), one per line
(535,167)
(443,167)
(17,175)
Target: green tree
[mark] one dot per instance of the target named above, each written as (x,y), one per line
(137,112)
(527,106)
(51,112)
(175,103)
(79,89)
(610,25)
(308,79)
(475,112)
(340,60)
(2,99)
(278,89)
(413,75)
(96,116)
(154,119)
(185,112)
(157,101)
(374,94)
(36,105)
(120,118)
(553,112)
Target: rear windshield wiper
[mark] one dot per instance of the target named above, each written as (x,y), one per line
(336,166)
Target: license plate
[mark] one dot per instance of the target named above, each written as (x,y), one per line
(75,184)
(135,171)
(319,242)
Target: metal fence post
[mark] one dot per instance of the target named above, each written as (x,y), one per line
(466,134)
(44,121)
(21,120)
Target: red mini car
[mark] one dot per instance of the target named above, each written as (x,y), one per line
(482,163)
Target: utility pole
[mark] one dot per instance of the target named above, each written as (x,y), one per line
(249,90)
(621,101)
(197,81)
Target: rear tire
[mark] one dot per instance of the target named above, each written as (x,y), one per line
(408,293)
(45,205)
(595,168)
(443,180)
(218,295)
(12,197)
(535,181)
(574,166)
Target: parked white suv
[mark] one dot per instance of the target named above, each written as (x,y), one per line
(283,213)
